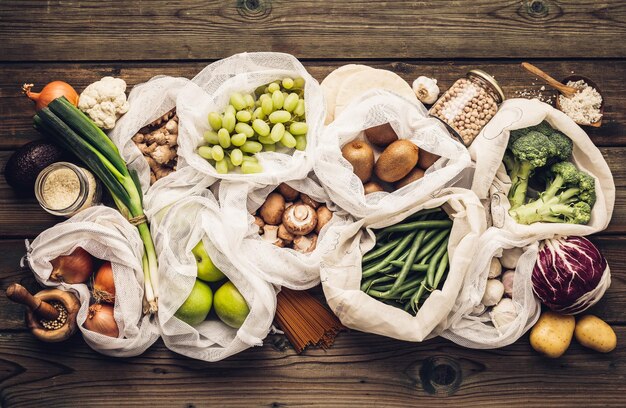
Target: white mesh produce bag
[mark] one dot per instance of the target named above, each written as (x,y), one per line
(107,235)
(492,181)
(471,324)
(341,270)
(148,102)
(410,121)
(185,224)
(280,266)
(210,91)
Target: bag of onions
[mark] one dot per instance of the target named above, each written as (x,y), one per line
(346,269)
(97,254)
(229,93)
(383,153)
(215,306)
(496,305)
(556,182)
(147,137)
(283,228)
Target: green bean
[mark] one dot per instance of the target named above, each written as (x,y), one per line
(424,213)
(441,269)
(414,267)
(419,238)
(381,295)
(427,224)
(427,249)
(391,256)
(415,299)
(380,251)
(365,286)
(430,274)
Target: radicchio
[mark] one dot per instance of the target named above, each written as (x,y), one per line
(570,274)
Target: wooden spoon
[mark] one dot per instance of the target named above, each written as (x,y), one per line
(568,91)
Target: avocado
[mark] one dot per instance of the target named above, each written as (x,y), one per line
(25,163)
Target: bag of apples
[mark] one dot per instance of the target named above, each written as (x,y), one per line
(96,255)
(383,153)
(214,307)
(283,228)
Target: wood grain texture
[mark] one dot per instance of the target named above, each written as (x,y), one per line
(195,29)
(360,370)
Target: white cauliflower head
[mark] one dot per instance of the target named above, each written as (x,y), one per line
(104,101)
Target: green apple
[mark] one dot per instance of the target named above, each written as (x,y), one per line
(230,306)
(198,304)
(207,271)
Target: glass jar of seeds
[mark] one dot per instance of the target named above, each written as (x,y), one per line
(469,104)
(64,189)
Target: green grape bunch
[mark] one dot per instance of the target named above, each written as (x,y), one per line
(275,120)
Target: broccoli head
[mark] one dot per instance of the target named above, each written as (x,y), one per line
(563,144)
(568,198)
(527,153)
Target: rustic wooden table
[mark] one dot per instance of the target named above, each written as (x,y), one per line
(81,41)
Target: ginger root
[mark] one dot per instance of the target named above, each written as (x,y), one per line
(158,143)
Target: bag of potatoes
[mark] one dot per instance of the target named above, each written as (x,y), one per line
(342,273)
(282,228)
(204,272)
(492,182)
(497,304)
(382,154)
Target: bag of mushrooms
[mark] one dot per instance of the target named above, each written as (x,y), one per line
(383,153)
(147,137)
(283,228)
(188,222)
(63,257)
(496,305)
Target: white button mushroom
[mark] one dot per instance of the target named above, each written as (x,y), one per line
(300,219)
(272,209)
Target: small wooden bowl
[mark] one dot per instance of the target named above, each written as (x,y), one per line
(591,84)
(72,305)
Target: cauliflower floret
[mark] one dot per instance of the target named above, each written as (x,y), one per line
(104,101)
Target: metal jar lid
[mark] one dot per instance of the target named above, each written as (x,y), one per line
(490,80)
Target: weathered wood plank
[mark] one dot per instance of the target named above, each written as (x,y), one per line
(612,307)
(16,110)
(359,370)
(174,30)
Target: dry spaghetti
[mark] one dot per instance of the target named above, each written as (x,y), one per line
(305,320)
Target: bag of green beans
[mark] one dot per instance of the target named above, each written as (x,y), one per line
(400,277)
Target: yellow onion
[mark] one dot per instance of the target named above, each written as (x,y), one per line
(101,320)
(103,284)
(76,267)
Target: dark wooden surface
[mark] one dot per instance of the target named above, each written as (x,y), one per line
(81,41)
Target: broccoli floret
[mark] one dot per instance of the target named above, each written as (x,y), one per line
(527,153)
(568,198)
(563,144)
(544,127)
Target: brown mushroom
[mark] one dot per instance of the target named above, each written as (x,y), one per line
(288,192)
(284,234)
(305,243)
(323,217)
(372,187)
(300,219)
(260,223)
(309,201)
(45,321)
(272,209)
(270,234)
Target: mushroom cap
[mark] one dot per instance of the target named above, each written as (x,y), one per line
(300,219)
(284,234)
(324,216)
(260,223)
(305,243)
(272,209)
(288,192)
(309,201)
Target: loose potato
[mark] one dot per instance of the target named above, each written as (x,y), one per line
(595,333)
(552,334)
(413,175)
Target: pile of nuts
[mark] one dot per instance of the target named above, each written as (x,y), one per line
(291,219)
(158,142)
(469,104)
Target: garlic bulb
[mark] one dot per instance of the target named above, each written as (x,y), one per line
(503,313)
(426,89)
(494,290)
(510,257)
(508,278)
(495,269)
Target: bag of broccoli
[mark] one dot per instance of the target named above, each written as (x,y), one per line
(540,173)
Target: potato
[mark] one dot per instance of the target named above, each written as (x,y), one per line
(552,334)
(595,333)
(427,159)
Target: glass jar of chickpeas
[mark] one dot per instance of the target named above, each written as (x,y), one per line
(469,104)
